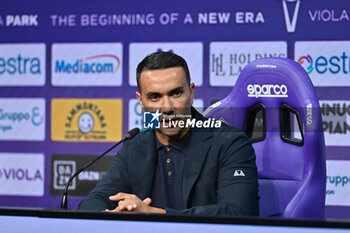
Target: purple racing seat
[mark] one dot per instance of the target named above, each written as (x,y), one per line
(275,103)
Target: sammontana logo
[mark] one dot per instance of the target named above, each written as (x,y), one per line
(86,120)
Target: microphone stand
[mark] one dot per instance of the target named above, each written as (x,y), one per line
(129,135)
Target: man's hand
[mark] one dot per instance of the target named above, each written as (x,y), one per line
(131,202)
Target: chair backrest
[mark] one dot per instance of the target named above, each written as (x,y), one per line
(275,103)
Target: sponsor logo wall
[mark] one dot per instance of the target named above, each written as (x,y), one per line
(64,76)
(87,64)
(22,119)
(192,52)
(22,64)
(338,183)
(64,166)
(86,120)
(22,174)
(326,62)
(336,122)
(227,59)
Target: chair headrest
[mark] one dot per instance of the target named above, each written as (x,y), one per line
(274,81)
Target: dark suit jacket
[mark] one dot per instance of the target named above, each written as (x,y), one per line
(219,176)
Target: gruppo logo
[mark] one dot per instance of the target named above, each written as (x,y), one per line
(267,90)
(87,64)
(22,64)
(22,119)
(291,22)
(306,63)
(338,183)
(86,119)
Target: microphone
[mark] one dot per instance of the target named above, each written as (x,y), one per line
(129,135)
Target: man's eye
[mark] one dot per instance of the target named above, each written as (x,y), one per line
(177,94)
(154,97)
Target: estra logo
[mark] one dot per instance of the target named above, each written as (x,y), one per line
(88,64)
(307,63)
(326,62)
(22,64)
(267,90)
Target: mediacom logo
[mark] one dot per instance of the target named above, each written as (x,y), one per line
(89,65)
(22,119)
(95,64)
(22,64)
(327,63)
(86,120)
(22,174)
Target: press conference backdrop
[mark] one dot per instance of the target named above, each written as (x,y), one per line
(67,79)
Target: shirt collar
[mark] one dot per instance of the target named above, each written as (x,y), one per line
(181,144)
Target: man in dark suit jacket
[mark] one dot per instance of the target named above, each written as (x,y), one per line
(178,170)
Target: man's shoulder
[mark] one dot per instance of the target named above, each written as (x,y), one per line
(227,133)
(143,137)
(224,133)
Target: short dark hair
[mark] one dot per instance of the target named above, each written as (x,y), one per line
(160,61)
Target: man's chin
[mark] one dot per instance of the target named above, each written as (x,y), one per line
(171,132)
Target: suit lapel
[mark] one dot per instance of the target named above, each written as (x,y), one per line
(144,166)
(197,154)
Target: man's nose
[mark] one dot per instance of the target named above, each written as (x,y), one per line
(167,105)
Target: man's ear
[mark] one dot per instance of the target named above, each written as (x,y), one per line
(192,92)
(138,95)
